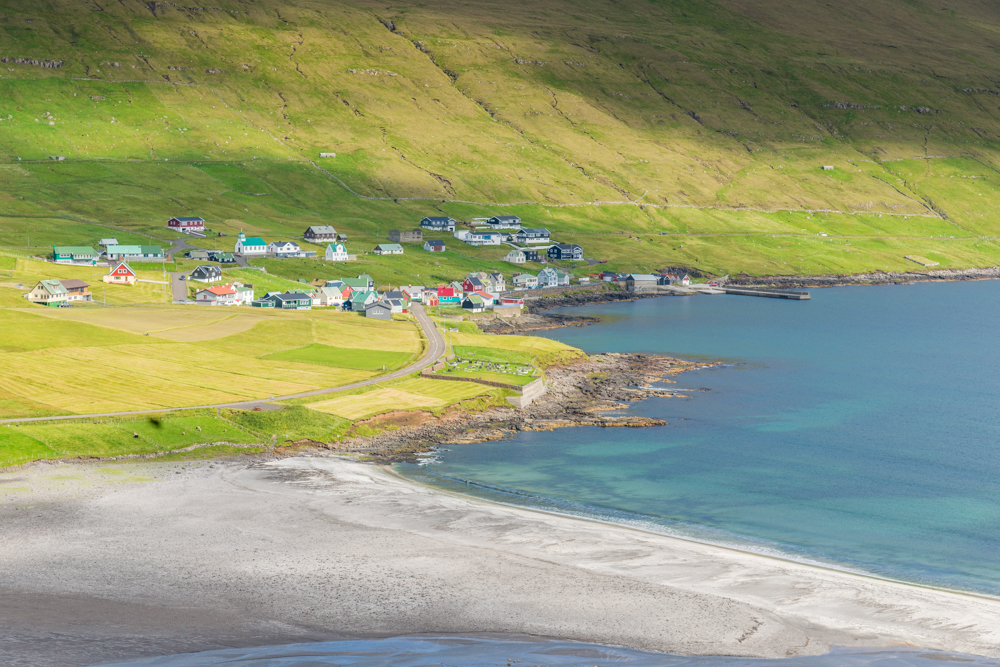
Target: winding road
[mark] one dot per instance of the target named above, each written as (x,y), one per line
(435,350)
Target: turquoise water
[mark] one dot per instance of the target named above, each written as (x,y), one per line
(434,651)
(858,429)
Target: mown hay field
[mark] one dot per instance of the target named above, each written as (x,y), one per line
(410,394)
(56,364)
(360,359)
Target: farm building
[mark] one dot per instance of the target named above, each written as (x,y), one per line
(74,253)
(262,303)
(504,222)
(565,251)
(206,274)
(120,274)
(135,253)
(337,253)
(291,301)
(194,224)
(379,310)
(408,236)
(434,246)
(250,246)
(104,243)
(439,224)
(198,255)
(388,249)
(529,235)
(320,234)
(48,293)
(639,282)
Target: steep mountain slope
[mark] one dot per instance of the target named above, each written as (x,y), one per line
(680,106)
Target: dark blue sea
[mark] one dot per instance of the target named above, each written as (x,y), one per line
(859,429)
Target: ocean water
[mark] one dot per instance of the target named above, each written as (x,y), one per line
(859,429)
(428,651)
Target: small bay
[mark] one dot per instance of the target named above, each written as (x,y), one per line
(858,429)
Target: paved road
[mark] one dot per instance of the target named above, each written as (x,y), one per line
(435,350)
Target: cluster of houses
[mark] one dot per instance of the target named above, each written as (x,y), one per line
(645,282)
(504,229)
(111,251)
(59,292)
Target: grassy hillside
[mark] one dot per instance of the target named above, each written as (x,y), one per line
(654,133)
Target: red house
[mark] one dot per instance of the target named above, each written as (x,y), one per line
(470,285)
(186,224)
(448,295)
(121,274)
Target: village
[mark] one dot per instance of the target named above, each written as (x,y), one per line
(478,292)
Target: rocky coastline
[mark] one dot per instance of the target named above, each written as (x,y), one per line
(873,278)
(581,394)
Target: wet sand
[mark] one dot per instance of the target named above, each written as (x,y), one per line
(103,563)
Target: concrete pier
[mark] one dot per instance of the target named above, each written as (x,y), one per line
(769,293)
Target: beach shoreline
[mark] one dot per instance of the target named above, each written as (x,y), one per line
(153,558)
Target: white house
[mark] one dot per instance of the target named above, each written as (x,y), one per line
(236,294)
(479,238)
(548,277)
(250,246)
(516,256)
(328,295)
(106,242)
(434,246)
(283,248)
(388,249)
(524,281)
(337,253)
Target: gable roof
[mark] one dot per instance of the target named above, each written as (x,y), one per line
(356,283)
(290,296)
(388,246)
(52,286)
(438,219)
(73,250)
(475,298)
(379,304)
(254,240)
(434,243)
(124,250)
(119,265)
(190,219)
(534,230)
(505,218)
(74,283)
(220,290)
(321,229)
(207,269)
(362,295)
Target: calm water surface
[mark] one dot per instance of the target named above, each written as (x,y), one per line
(857,429)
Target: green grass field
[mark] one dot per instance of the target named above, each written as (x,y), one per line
(325,355)
(654,133)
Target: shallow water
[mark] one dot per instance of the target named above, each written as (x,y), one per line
(465,651)
(858,429)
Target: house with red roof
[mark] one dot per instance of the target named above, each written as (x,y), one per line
(236,294)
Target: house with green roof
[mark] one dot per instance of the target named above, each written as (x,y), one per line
(253,245)
(360,299)
(48,293)
(135,253)
(74,253)
(474,303)
(388,249)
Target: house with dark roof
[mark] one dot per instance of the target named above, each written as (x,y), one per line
(206,273)
(291,301)
(504,222)
(379,310)
(406,236)
(532,235)
(434,246)
(641,282)
(320,234)
(77,289)
(565,251)
(438,224)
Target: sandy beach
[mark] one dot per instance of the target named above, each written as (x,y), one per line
(110,562)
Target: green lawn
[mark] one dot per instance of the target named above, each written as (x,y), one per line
(492,376)
(358,359)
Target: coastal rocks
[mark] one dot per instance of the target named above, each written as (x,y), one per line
(875,278)
(578,395)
